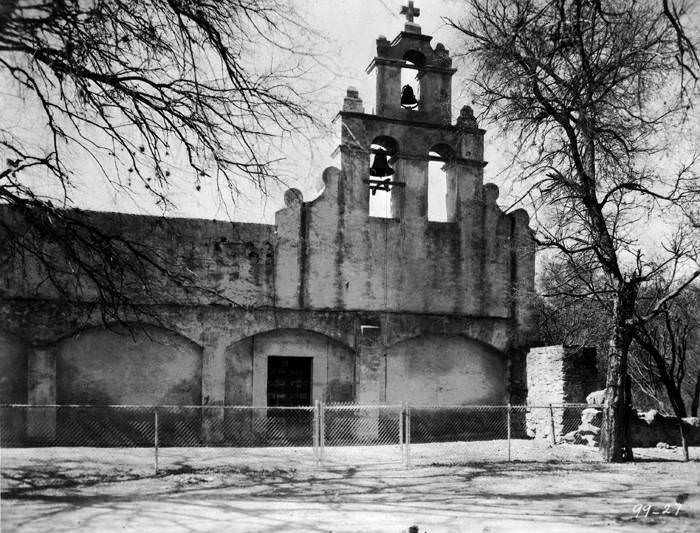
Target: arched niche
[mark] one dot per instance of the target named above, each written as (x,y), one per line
(139,365)
(13,369)
(444,370)
(248,362)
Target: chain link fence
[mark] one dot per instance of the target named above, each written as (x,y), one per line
(148,439)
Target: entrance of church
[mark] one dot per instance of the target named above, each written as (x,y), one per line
(289,381)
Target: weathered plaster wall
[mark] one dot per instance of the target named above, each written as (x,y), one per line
(348,260)
(444,370)
(144,367)
(217,329)
(233,260)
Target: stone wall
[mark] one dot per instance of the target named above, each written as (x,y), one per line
(326,256)
(647,429)
(13,363)
(230,261)
(557,375)
(651,428)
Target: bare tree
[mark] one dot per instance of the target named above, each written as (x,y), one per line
(139,87)
(591,87)
(566,318)
(663,361)
(666,362)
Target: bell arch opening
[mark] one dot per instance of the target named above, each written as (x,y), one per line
(382,203)
(441,196)
(410,87)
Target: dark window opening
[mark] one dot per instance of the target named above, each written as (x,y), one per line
(289,381)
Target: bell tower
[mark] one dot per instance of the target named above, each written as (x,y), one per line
(466,262)
(411,125)
(433,71)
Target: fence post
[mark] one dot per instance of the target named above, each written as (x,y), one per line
(315,425)
(401,432)
(551,423)
(408,435)
(686,456)
(508,417)
(322,431)
(155,437)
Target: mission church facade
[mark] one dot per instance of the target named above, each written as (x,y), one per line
(332,304)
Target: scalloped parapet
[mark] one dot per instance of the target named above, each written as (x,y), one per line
(293,197)
(491,193)
(521,217)
(333,254)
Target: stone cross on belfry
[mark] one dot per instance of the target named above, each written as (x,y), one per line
(410,11)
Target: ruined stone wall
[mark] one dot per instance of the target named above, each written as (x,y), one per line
(557,375)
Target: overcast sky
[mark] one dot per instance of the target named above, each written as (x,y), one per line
(345,42)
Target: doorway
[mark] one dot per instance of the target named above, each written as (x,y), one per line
(289,381)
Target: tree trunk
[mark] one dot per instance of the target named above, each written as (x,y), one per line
(615,443)
(676,398)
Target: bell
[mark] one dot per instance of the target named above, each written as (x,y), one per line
(380,167)
(408,99)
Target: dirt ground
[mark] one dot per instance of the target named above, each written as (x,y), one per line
(354,490)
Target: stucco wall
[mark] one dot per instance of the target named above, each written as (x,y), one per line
(148,367)
(246,365)
(233,260)
(444,370)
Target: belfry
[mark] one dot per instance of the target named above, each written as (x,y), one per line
(410,131)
